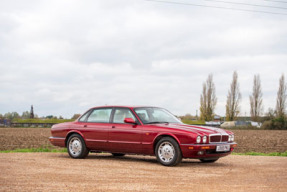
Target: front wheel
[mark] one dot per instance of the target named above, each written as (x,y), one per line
(76,147)
(208,160)
(168,152)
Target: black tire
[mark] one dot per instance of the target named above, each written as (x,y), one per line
(118,154)
(76,147)
(208,160)
(168,152)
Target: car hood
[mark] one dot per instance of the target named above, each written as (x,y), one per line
(201,130)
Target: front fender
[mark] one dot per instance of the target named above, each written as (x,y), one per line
(161,135)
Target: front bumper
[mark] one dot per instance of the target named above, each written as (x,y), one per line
(199,151)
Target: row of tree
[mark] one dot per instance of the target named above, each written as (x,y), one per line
(25,115)
(208,100)
(15,115)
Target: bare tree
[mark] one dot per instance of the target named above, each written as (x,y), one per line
(256,101)
(208,99)
(12,115)
(25,115)
(203,98)
(76,116)
(233,99)
(281,98)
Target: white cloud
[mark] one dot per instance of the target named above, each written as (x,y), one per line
(67,56)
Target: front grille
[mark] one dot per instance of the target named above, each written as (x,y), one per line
(224,138)
(217,138)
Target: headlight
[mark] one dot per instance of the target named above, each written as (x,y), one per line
(198,139)
(204,139)
(229,138)
(232,137)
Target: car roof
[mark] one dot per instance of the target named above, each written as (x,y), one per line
(125,106)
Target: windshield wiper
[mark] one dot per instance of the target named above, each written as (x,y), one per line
(157,122)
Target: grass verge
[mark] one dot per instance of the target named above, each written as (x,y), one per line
(42,120)
(191,122)
(33,150)
(64,150)
(283,154)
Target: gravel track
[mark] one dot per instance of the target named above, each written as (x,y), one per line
(102,172)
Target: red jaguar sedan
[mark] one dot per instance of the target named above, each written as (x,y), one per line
(155,131)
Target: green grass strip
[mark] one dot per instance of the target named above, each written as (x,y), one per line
(33,150)
(191,122)
(42,120)
(64,150)
(283,154)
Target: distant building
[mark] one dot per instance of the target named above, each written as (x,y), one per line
(32,112)
(217,118)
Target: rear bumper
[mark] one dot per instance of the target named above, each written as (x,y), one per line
(206,151)
(57,141)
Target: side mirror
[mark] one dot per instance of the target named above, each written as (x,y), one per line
(130,120)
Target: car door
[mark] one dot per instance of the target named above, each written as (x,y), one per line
(96,128)
(124,137)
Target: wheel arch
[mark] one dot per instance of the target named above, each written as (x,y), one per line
(159,137)
(71,133)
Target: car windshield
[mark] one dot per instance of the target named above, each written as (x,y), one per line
(152,115)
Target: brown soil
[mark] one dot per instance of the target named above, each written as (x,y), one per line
(20,138)
(265,141)
(102,172)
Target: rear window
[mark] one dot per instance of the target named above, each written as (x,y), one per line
(100,115)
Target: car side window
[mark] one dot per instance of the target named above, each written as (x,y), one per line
(122,113)
(100,116)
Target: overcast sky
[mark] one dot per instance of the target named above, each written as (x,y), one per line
(67,56)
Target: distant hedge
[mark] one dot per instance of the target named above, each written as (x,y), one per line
(186,121)
(191,122)
(41,120)
(275,124)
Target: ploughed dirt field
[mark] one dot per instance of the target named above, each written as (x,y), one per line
(102,172)
(265,141)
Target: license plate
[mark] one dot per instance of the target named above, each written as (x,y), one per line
(221,148)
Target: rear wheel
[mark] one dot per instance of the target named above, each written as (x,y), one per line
(208,160)
(118,154)
(168,152)
(76,147)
